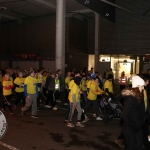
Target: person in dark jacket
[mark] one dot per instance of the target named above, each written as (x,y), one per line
(50,89)
(145,130)
(133,114)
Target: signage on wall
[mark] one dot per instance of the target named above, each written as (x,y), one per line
(147,58)
(24,56)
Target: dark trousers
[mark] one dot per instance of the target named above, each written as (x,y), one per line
(66,96)
(122,87)
(145,133)
(7,102)
(57,94)
(50,98)
(88,105)
(19,96)
(44,91)
(134,141)
(38,99)
(67,113)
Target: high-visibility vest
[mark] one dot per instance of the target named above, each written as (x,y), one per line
(122,80)
(129,80)
(57,84)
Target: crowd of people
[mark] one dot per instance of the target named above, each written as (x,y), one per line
(33,85)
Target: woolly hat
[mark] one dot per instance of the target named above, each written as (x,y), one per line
(77,80)
(31,71)
(137,81)
(93,75)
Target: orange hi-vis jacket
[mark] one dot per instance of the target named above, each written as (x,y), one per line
(123,80)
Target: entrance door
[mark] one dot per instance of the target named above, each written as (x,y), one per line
(126,67)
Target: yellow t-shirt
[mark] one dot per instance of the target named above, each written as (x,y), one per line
(108,85)
(67,80)
(74,91)
(20,82)
(94,90)
(7,83)
(89,83)
(84,85)
(31,84)
(38,80)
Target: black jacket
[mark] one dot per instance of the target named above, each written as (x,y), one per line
(133,114)
(50,83)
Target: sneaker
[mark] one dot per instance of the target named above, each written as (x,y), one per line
(99,118)
(3,110)
(94,115)
(85,120)
(54,108)
(119,143)
(67,121)
(58,101)
(65,103)
(34,116)
(47,106)
(23,113)
(14,107)
(70,125)
(11,113)
(79,124)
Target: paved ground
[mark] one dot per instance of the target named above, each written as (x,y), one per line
(50,132)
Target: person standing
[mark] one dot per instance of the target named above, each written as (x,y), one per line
(133,114)
(108,86)
(50,89)
(57,89)
(122,81)
(31,94)
(7,93)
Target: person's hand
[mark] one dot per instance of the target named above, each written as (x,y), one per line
(28,96)
(80,92)
(47,92)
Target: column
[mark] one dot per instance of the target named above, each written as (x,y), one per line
(60,35)
(96,56)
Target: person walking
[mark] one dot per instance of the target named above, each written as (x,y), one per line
(31,94)
(74,98)
(19,89)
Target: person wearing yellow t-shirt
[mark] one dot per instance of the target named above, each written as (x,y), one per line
(7,92)
(71,83)
(19,89)
(31,94)
(84,88)
(108,86)
(94,90)
(44,74)
(1,83)
(67,80)
(75,103)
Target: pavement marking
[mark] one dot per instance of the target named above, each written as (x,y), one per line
(8,146)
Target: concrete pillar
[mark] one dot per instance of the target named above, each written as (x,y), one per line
(96,56)
(60,35)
